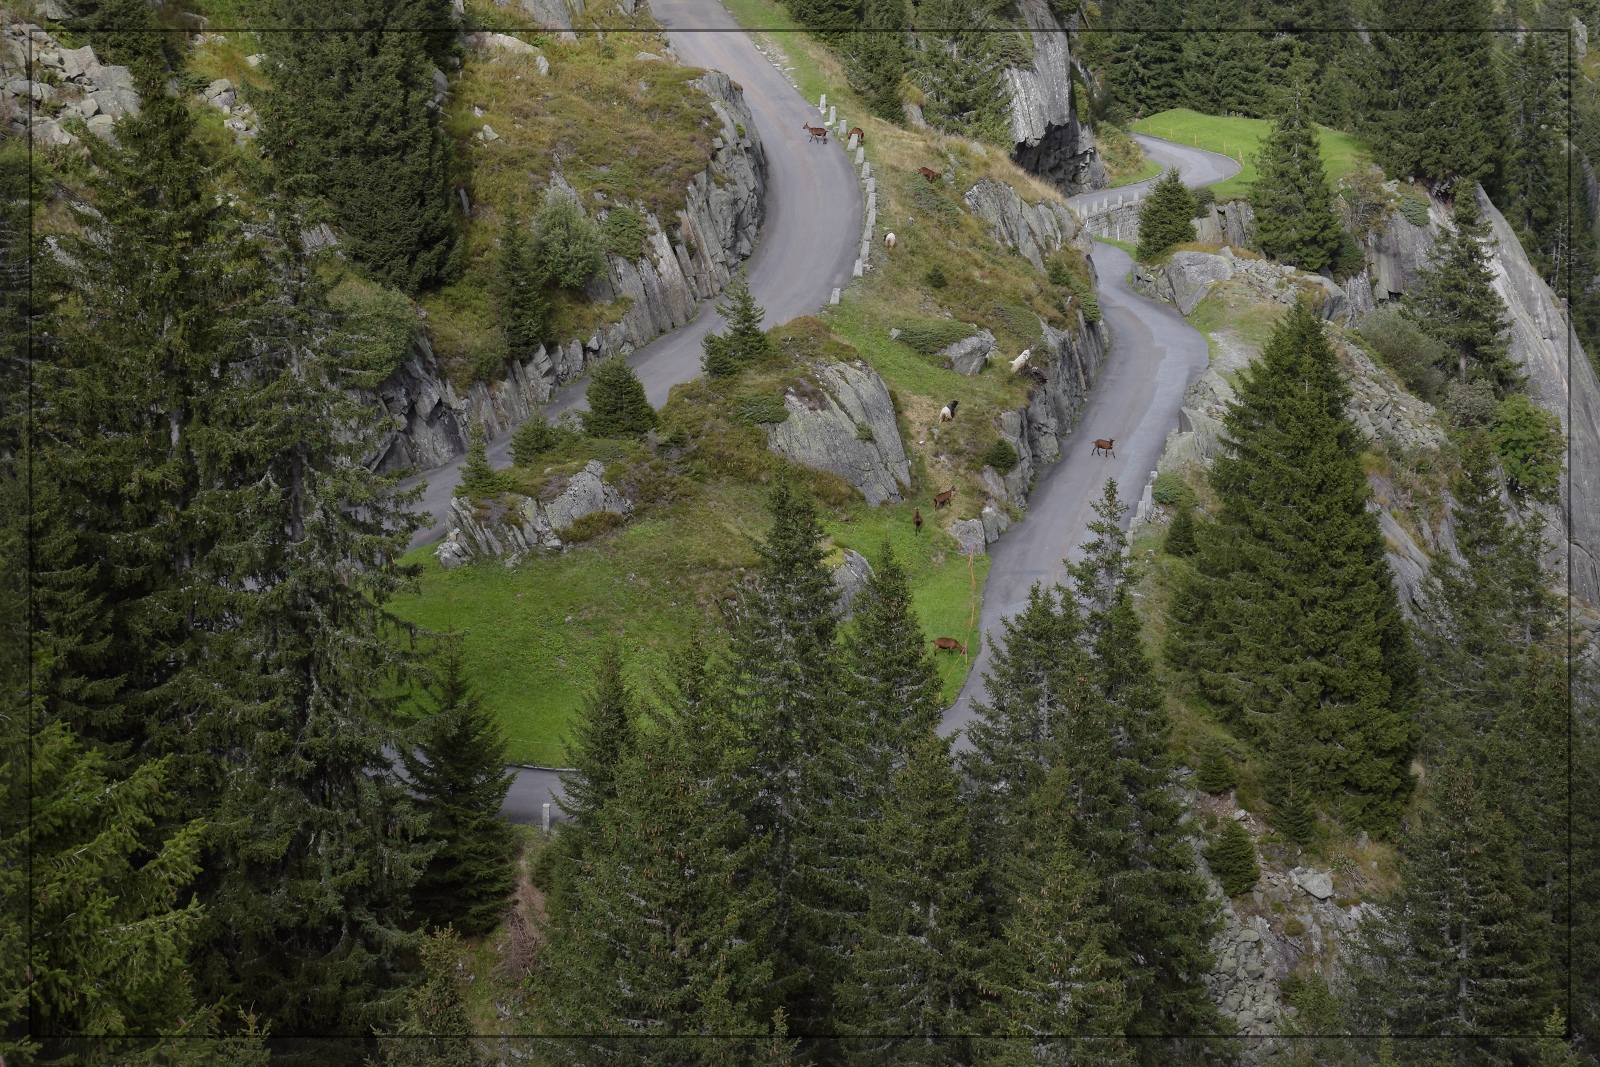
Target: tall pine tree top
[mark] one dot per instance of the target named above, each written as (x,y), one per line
(1455,300)
(1295,221)
(1291,609)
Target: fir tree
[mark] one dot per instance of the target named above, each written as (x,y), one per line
(880,58)
(617,404)
(1146,65)
(1460,950)
(666,930)
(458,774)
(1535,170)
(1295,222)
(247,557)
(914,978)
(435,1029)
(1290,609)
(1289,786)
(1223,69)
(1180,540)
(1232,857)
(1167,217)
(1455,302)
(534,438)
(784,680)
(743,344)
(519,292)
(1439,109)
(1051,973)
(601,736)
(477,477)
(1216,773)
(348,112)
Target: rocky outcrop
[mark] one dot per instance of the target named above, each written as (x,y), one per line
(1069,365)
(968,355)
(716,229)
(68,88)
(842,419)
(1048,139)
(1544,347)
(510,525)
(1034,231)
(1186,278)
(850,577)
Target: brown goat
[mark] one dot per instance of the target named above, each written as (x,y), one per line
(1103,445)
(855,131)
(916,519)
(944,498)
(931,175)
(949,644)
(818,133)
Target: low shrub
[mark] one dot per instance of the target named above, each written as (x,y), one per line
(617,404)
(1414,208)
(1204,197)
(377,326)
(1405,349)
(1171,491)
(762,408)
(625,233)
(1470,405)
(1528,440)
(927,336)
(567,246)
(1232,857)
(1002,456)
(864,432)
(588,527)
(536,437)
(934,278)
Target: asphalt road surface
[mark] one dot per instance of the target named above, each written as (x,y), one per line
(1155,356)
(809,235)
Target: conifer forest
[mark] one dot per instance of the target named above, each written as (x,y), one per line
(800,533)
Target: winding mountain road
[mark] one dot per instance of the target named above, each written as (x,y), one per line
(808,242)
(1155,356)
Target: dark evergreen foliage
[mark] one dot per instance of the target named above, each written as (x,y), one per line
(524,308)
(434,1031)
(534,438)
(1454,301)
(348,115)
(457,769)
(193,391)
(568,247)
(1294,218)
(1232,858)
(477,477)
(1290,610)
(1216,773)
(880,58)
(1180,535)
(1167,217)
(601,737)
(617,404)
(742,344)
(1459,950)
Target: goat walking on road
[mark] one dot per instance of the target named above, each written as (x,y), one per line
(1102,446)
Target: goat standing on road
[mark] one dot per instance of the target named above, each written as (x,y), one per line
(1103,446)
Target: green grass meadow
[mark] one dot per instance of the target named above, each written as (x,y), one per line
(1241,139)
(652,585)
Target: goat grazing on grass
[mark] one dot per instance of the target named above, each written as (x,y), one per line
(1021,361)
(888,240)
(949,644)
(931,175)
(944,498)
(948,412)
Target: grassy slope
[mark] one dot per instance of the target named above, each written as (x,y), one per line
(1241,138)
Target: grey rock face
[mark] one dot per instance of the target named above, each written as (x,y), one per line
(1317,883)
(1189,276)
(721,217)
(847,427)
(970,535)
(968,355)
(511,525)
(1048,139)
(1034,230)
(850,578)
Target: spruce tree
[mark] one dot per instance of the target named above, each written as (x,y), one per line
(204,430)
(435,1029)
(534,438)
(1455,302)
(477,477)
(880,59)
(458,775)
(1460,950)
(1167,217)
(784,679)
(617,404)
(604,731)
(1224,70)
(348,112)
(1232,858)
(1295,222)
(519,292)
(1216,773)
(1146,65)
(913,980)
(666,932)
(1438,107)
(743,344)
(1052,972)
(1180,540)
(1535,172)
(1290,609)
(568,248)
